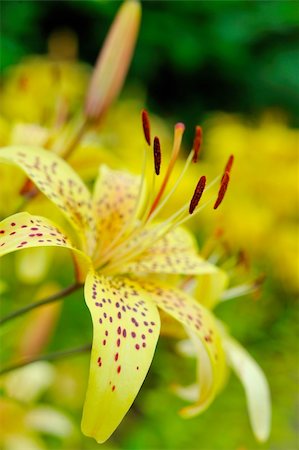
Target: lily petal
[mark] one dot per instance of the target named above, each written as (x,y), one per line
(203,392)
(24,230)
(56,179)
(255,385)
(115,197)
(202,328)
(175,253)
(209,288)
(126,328)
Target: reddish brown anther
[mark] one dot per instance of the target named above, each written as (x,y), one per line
(157,155)
(197,194)
(222,190)
(228,166)
(146,126)
(197,143)
(28,189)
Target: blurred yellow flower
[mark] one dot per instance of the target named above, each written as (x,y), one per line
(260,213)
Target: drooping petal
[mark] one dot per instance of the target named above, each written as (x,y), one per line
(203,330)
(24,230)
(202,393)
(126,328)
(56,179)
(175,253)
(255,385)
(115,197)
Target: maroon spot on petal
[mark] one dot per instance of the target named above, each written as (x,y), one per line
(137,346)
(133,335)
(124,332)
(13,232)
(116,357)
(118,342)
(104,342)
(118,369)
(113,388)
(119,330)
(13,224)
(2,231)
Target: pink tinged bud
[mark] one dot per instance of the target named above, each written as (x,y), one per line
(38,331)
(113,61)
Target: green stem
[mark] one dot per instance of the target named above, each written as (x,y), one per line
(52,298)
(47,357)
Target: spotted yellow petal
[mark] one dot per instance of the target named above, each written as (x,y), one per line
(24,230)
(255,385)
(174,253)
(126,328)
(115,197)
(56,179)
(202,328)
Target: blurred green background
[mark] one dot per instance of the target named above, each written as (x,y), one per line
(193,59)
(192,56)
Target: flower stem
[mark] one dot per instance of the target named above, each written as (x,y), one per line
(52,298)
(47,357)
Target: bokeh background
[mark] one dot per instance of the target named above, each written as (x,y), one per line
(233,67)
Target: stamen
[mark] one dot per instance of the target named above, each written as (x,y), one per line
(28,189)
(178,135)
(146,126)
(222,190)
(228,166)
(157,155)
(197,194)
(197,143)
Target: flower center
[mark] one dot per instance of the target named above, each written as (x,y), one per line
(140,233)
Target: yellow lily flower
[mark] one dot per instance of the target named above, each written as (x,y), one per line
(120,251)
